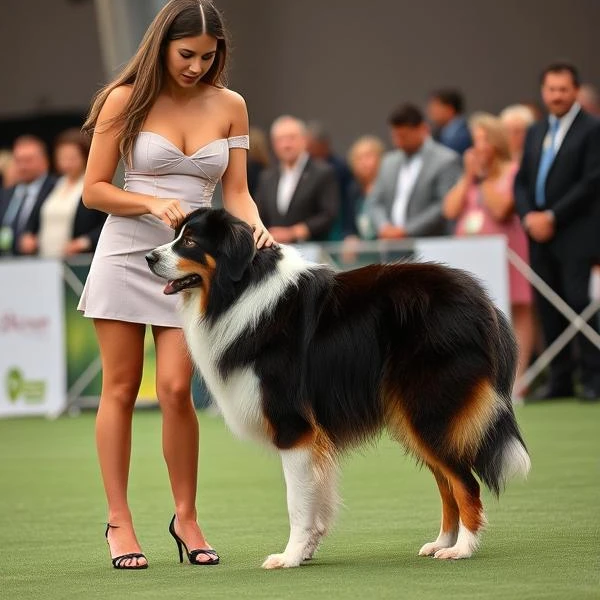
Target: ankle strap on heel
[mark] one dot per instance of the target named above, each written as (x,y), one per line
(110,526)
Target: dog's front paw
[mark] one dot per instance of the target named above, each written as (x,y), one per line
(280,561)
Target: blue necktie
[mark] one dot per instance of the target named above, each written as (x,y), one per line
(546,161)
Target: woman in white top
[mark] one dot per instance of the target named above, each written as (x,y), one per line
(179,131)
(63,226)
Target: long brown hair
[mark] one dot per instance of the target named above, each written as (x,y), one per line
(145,72)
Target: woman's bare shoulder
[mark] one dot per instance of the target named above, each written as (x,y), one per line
(118,98)
(231,99)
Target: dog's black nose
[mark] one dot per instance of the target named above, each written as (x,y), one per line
(152,258)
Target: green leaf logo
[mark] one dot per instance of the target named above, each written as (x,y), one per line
(14,384)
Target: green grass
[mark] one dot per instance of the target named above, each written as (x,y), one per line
(542,540)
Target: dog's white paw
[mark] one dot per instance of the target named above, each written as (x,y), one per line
(280,561)
(453,553)
(444,540)
(431,548)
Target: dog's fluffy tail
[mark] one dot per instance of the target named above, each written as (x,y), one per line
(502,453)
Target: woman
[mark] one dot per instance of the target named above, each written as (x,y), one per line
(516,120)
(364,158)
(482,202)
(63,226)
(179,131)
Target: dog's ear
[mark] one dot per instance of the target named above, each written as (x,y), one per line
(237,250)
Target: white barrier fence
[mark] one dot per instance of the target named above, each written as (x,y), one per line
(32,313)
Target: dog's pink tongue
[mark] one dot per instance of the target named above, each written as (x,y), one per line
(169,289)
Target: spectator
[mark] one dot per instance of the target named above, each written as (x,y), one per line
(589,98)
(298,199)
(364,158)
(516,120)
(34,183)
(8,173)
(482,201)
(63,226)
(407,197)
(319,147)
(557,197)
(258,157)
(445,110)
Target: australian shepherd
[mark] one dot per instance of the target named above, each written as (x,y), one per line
(313,362)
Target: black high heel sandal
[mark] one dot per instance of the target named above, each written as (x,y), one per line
(194,553)
(119,560)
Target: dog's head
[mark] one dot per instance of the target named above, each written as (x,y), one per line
(211,248)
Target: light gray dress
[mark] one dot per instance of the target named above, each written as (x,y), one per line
(120,285)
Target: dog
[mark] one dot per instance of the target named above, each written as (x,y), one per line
(312,362)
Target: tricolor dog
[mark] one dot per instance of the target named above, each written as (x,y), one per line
(313,362)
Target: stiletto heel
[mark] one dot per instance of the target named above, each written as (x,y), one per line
(118,561)
(193,554)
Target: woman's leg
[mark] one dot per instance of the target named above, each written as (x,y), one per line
(122,351)
(180,431)
(524,326)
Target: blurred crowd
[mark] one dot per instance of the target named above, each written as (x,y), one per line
(530,173)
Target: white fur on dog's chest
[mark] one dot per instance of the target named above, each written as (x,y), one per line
(238,396)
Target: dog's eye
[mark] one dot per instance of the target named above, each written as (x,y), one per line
(188,242)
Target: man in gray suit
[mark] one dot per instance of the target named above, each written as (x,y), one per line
(299,198)
(406,200)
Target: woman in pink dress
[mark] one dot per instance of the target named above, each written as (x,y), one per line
(482,203)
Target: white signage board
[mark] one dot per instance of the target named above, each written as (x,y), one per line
(32,345)
(484,256)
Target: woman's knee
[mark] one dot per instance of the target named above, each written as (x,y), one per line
(174,394)
(121,392)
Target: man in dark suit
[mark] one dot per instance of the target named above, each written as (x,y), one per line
(557,192)
(445,110)
(320,147)
(20,202)
(299,198)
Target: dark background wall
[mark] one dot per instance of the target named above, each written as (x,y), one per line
(346,62)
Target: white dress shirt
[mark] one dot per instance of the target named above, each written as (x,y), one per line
(58,217)
(288,182)
(407,177)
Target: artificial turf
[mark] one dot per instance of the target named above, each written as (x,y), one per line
(542,540)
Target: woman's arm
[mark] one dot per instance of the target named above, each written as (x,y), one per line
(98,191)
(454,200)
(236,196)
(497,194)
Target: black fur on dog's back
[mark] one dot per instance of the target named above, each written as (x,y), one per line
(336,345)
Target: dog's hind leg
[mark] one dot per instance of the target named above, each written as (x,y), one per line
(302,497)
(471,517)
(450,517)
